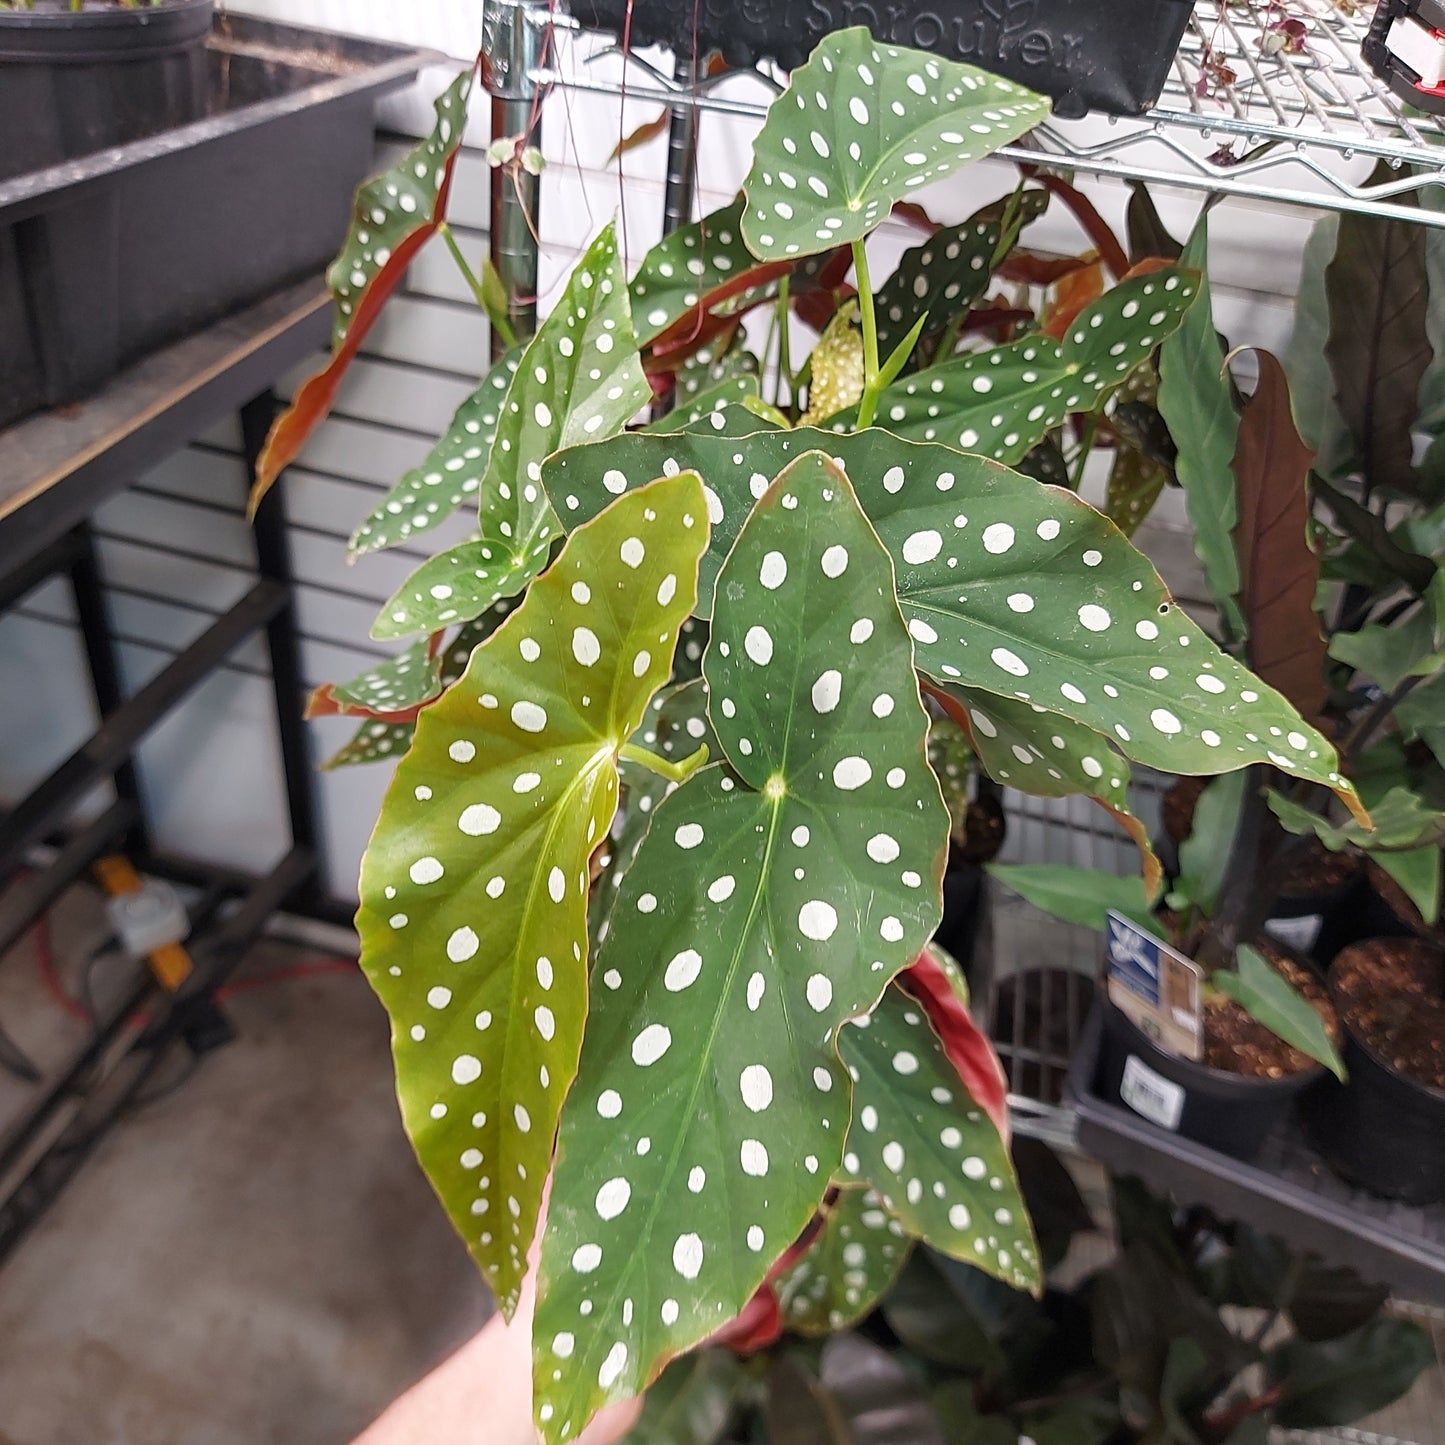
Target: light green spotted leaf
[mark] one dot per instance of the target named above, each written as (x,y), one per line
(473,916)
(428,494)
(836,372)
(704,410)
(374,742)
(405,681)
(773,897)
(934,1156)
(1002,402)
(1009,586)
(943,277)
(860,126)
(579,379)
(848,1268)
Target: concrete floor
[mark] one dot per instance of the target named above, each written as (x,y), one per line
(253,1258)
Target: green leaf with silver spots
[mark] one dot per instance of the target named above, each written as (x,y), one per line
(774,896)
(473,916)
(942,278)
(703,411)
(862,125)
(852,1264)
(934,1157)
(373,742)
(427,495)
(1016,588)
(405,681)
(1002,402)
(579,379)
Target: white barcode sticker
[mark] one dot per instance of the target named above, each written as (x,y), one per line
(1158,1099)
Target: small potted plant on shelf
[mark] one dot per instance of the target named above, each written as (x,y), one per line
(694,1019)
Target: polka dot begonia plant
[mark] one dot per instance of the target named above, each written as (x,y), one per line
(650,894)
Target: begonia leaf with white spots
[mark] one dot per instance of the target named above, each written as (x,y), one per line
(773,897)
(697,412)
(1003,401)
(691,268)
(398,685)
(860,126)
(934,1156)
(942,277)
(712,366)
(374,742)
(395,214)
(852,1264)
(428,494)
(579,379)
(951,758)
(836,368)
(473,917)
(1010,586)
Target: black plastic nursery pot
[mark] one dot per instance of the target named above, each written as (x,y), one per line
(1382,1130)
(1227,1112)
(1107,55)
(109,254)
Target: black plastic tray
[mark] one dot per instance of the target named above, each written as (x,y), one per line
(1106,55)
(107,256)
(1288,1191)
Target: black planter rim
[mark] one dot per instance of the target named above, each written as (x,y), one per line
(1435,1096)
(114,34)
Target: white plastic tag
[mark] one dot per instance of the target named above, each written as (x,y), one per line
(1151,1095)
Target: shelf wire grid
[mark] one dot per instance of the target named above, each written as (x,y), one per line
(1303,125)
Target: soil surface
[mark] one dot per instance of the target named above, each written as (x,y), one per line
(1392,992)
(1238,1044)
(1398,902)
(1318,871)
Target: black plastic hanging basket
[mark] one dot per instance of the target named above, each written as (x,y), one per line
(1105,55)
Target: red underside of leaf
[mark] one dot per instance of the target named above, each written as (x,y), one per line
(699,326)
(317,393)
(1074,291)
(966,1045)
(1095,226)
(1032,269)
(761,1322)
(915,215)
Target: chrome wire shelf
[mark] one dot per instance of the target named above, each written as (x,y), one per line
(1303,126)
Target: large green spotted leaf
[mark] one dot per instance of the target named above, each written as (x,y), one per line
(860,126)
(943,277)
(848,1268)
(452,471)
(579,379)
(1002,402)
(473,916)
(936,1159)
(773,897)
(1009,586)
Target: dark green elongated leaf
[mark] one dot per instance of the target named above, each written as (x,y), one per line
(943,277)
(1008,586)
(1046,464)
(774,896)
(1204,855)
(1279,572)
(1002,402)
(704,410)
(691,1403)
(934,1322)
(405,681)
(1392,652)
(451,473)
(1418,871)
(578,380)
(883,1401)
(712,366)
(1378,349)
(859,127)
(374,742)
(1077,895)
(473,916)
(920,1140)
(1196,400)
(1402,822)
(1148,235)
(849,1267)
(1268,999)
(1345,1379)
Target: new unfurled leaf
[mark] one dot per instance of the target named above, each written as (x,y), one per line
(774,896)
(428,494)
(837,367)
(860,126)
(939,1163)
(1008,586)
(578,380)
(1002,402)
(848,1268)
(1270,1000)
(395,214)
(473,916)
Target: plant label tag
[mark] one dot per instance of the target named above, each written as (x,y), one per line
(1151,1095)
(1156,987)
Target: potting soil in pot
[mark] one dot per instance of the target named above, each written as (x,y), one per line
(1392,992)
(1238,1044)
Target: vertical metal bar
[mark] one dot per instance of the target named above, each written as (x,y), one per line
(681,185)
(93,616)
(515,35)
(273,557)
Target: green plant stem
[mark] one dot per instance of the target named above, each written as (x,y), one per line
(785,350)
(1086,446)
(949,339)
(868,403)
(673,772)
(502,325)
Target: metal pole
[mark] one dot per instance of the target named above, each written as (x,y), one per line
(681,149)
(515,37)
